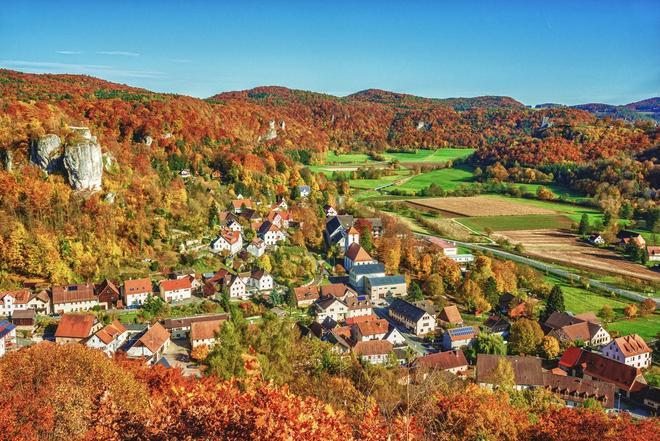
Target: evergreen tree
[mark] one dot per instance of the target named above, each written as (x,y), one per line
(490,291)
(555,302)
(415,292)
(366,240)
(487,343)
(584,225)
(225,359)
(214,220)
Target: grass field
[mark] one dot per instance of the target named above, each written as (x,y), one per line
(431,156)
(647,327)
(347,158)
(578,300)
(524,222)
(556,189)
(370,184)
(447,178)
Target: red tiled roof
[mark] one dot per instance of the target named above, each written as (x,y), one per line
(205,330)
(450,314)
(631,345)
(173,285)
(110,332)
(137,286)
(443,360)
(335,290)
(20,296)
(73,293)
(361,319)
(238,203)
(356,253)
(373,327)
(75,326)
(601,368)
(373,347)
(154,338)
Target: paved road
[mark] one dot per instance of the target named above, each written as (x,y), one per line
(632,295)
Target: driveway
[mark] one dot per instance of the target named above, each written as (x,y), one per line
(416,343)
(178,356)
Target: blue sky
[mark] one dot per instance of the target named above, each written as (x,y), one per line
(552,51)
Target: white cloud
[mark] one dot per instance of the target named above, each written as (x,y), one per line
(119,53)
(100,70)
(69,52)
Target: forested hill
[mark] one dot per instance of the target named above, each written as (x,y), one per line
(286,119)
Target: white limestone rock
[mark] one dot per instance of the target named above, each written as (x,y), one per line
(83,162)
(46,152)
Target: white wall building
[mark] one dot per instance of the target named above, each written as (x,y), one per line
(631,350)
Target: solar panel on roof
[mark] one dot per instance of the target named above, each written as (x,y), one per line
(361,298)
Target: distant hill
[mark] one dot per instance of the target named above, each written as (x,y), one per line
(648,109)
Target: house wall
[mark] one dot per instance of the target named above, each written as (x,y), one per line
(176,295)
(378,293)
(136,299)
(361,312)
(65,308)
(201,341)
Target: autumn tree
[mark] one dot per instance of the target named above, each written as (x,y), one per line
(489,343)
(550,347)
(630,311)
(525,336)
(606,313)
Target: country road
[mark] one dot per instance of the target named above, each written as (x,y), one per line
(632,295)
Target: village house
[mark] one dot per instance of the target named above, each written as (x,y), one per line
(459,337)
(270,233)
(38,301)
(582,327)
(204,333)
(627,237)
(74,298)
(450,316)
(373,224)
(497,324)
(329,211)
(450,250)
(382,287)
(235,287)
(137,291)
(280,205)
(304,191)
(257,247)
(337,290)
(596,240)
(108,294)
(357,274)
(150,345)
(330,308)
(631,350)
(74,328)
(279,218)
(448,361)
(357,306)
(654,253)
(228,241)
(575,391)
(373,351)
(261,280)
(179,328)
(395,337)
(109,338)
(23,299)
(175,290)
(306,296)
(374,329)
(25,319)
(527,370)
(513,306)
(239,205)
(235,226)
(412,317)
(356,255)
(592,366)
(8,340)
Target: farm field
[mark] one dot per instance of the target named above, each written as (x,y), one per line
(574,212)
(479,206)
(564,248)
(370,184)
(647,327)
(556,189)
(431,156)
(348,158)
(523,222)
(578,300)
(447,178)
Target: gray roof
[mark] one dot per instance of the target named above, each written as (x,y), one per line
(406,309)
(387,280)
(370,268)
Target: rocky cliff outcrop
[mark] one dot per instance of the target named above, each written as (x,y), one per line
(83,162)
(46,152)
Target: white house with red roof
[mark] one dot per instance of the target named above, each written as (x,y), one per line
(240,204)
(136,291)
(229,241)
(235,287)
(270,233)
(175,290)
(257,247)
(109,339)
(629,349)
(151,345)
